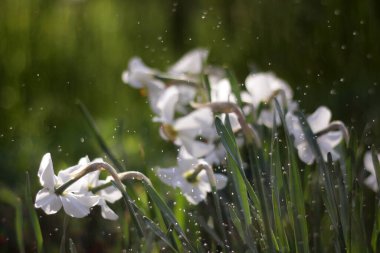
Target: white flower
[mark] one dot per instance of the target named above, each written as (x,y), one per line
(371,180)
(139,76)
(185,131)
(261,88)
(75,202)
(191,64)
(319,123)
(194,189)
(90,181)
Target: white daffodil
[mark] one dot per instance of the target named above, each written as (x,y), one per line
(371,180)
(262,88)
(190,65)
(194,183)
(186,131)
(139,76)
(75,202)
(91,181)
(328,137)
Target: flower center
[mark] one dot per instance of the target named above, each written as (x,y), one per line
(191,176)
(169,131)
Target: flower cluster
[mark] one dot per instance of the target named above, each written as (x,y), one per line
(186,98)
(78,188)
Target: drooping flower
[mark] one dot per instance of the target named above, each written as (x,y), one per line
(328,137)
(188,130)
(261,89)
(194,183)
(90,181)
(371,180)
(139,76)
(75,202)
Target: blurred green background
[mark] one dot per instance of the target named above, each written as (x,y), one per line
(55,52)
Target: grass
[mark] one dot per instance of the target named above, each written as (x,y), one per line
(273,203)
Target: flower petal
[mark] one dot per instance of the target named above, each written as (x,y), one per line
(305,153)
(221,181)
(166,104)
(46,172)
(78,206)
(190,63)
(320,119)
(196,120)
(48,201)
(107,212)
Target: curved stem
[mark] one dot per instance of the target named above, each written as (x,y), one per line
(336,126)
(228,107)
(87,169)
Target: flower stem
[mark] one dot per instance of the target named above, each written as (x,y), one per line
(228,107)
(87,169)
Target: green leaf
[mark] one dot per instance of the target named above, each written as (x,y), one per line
(72,247)
(8,197)
(331,202)
(168,216)
(33,215)
(296,204)
(102,143)
(159,233)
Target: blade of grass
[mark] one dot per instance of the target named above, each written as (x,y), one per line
(278,187)
(297,205)
(33,215)
(331,202)
(159,233)
(102,143)
(62,248)
(235,86)
(375,238)
(168,216)
(136,218)
(236,174)
(72,247)
(8,197)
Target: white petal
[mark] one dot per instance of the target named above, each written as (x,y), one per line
(259,87)
(111,194)
(320,119)
(196,148)
(371,182)
(327,142)
(78,206)
(168,176)
(305,153)
(167,103)
(368,162)
(193,193)
(190,63)
(138,74)
(46,172)
(197,120)
(221,92)
(48,201)
(221,181)
(108,213)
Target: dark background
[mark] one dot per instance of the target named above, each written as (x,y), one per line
(55,52)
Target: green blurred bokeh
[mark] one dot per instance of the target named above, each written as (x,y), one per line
(55,52)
